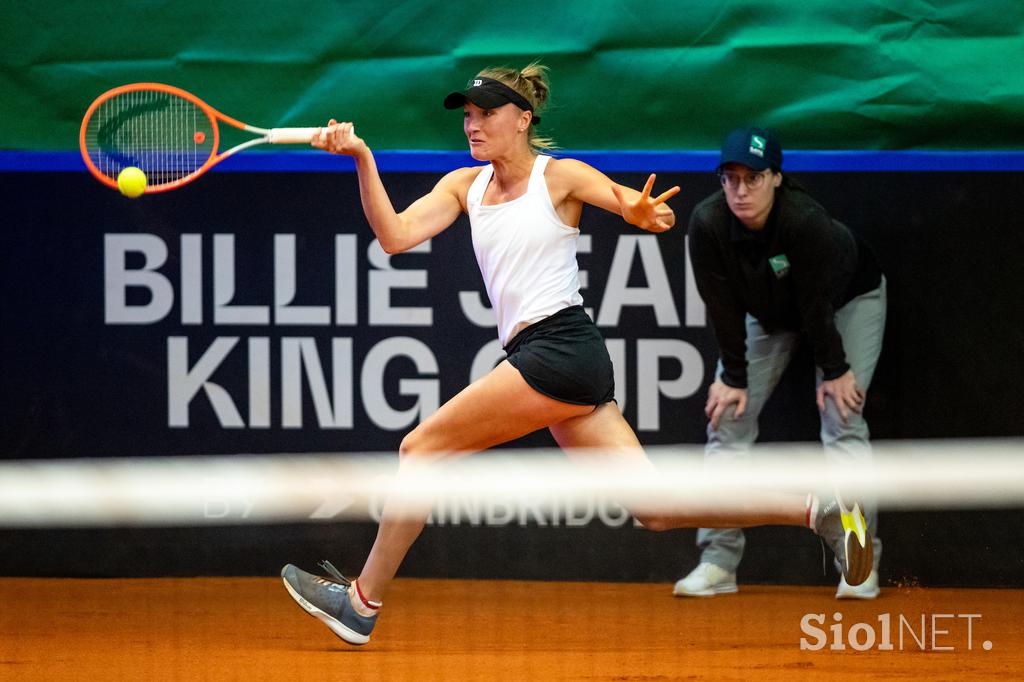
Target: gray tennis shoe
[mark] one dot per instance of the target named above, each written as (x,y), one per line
(328,600)
(846,532)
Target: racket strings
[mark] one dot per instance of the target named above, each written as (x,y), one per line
(167,136)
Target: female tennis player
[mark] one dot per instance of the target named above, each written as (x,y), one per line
(524,208)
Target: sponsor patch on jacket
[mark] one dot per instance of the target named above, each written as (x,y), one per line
(780,265)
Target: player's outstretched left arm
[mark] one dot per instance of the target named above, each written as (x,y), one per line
(591,186)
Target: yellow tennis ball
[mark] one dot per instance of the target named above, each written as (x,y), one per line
(131,181)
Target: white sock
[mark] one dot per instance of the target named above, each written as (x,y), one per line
(364,607)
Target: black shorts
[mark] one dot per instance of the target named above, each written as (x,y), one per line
(564,357)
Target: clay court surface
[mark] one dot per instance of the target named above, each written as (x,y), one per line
(249,629)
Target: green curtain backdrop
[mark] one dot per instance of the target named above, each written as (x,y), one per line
(635,74)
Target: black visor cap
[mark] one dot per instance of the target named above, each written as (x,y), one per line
(488,93)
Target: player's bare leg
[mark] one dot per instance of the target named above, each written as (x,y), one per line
(614,444)
(495,409)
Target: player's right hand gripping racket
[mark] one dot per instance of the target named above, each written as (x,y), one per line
(170,134)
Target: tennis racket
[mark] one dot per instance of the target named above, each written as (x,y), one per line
(170,134)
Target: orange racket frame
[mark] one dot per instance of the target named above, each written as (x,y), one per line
(266,135)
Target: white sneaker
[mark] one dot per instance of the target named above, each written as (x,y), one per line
(866,590)
(706,580)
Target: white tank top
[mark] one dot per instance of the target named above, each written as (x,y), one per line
(526,254)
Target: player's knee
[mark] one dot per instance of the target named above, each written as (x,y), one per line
(653,523)
(413,447)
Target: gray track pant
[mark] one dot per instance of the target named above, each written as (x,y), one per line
(861,323)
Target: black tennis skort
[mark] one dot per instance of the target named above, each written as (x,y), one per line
(564,357)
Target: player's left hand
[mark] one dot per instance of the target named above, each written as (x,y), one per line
(653,215)
(844,392)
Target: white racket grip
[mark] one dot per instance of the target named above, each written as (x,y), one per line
(294,135)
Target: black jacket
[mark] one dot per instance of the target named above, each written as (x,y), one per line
(792,275)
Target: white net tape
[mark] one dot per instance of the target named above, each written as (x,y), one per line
(299,487)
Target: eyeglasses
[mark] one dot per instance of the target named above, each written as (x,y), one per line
(751,180)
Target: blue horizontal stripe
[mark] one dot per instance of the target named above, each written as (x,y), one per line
(607,161)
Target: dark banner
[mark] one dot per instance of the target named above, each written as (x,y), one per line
(254,312)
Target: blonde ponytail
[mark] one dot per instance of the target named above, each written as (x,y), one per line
(532,83)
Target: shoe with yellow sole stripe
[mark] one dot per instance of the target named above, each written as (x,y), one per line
(846,532)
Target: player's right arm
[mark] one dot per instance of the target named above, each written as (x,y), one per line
(424,218)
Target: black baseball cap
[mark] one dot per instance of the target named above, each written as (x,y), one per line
(755,148)
(488,93)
